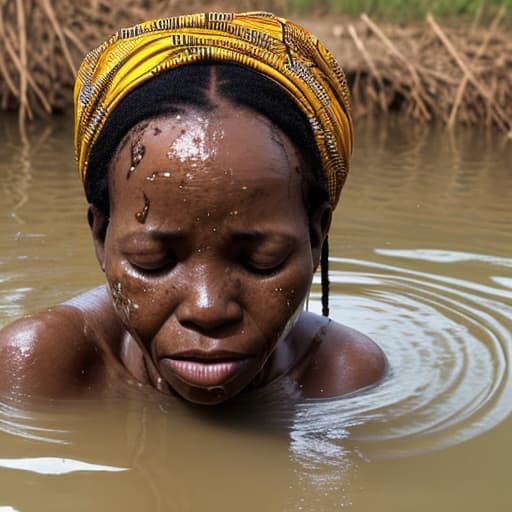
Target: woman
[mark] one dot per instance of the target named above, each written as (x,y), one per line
(213,149)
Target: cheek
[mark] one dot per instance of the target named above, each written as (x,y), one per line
(141,306)
(274,302)
(123,302)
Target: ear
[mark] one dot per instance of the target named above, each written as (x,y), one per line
(318,229)
(98,223)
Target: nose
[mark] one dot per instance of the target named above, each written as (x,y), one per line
(209,302)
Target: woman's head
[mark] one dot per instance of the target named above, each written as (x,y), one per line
(211,184)
(209,251)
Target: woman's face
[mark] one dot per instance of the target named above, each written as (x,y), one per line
(209,252)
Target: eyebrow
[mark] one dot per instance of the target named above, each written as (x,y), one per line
(256,235)
(153,234)
(171,236)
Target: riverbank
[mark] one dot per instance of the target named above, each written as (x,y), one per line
(456,72)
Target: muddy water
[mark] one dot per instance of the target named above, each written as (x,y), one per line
(421,261)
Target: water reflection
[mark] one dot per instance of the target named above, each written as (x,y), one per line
(174,457)
(18,154)
(55,465)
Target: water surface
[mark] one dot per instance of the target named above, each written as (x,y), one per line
(420,261)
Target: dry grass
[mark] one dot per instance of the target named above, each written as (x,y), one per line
(424,70)
(429,72)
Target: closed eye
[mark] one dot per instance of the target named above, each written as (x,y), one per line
(152,272)
(152,267)
(265,267)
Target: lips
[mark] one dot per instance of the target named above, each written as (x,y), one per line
(204,369)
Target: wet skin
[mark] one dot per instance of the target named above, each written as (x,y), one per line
(208,254)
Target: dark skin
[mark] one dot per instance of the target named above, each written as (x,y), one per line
(209,254)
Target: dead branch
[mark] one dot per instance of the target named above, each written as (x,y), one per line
(500,116)
(481,50)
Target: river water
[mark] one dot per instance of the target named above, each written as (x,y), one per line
(420,261)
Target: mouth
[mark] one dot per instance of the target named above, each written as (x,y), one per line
(205,369)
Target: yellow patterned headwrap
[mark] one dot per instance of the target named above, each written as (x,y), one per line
(273,46)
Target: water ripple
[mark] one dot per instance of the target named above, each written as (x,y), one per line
(448,344)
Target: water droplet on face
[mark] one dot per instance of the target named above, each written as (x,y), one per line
(160,384)
(122,304)
(190,145)
(214,229)
(137,152)
(143,214)
(158,174)
(244,187)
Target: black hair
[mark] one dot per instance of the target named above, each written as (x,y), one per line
(190,85)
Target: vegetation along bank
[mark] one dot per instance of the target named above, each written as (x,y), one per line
(448,61)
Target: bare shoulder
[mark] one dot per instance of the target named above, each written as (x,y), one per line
(55,353)
(341,360)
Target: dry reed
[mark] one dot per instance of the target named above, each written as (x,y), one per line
(428,72)
(424,70)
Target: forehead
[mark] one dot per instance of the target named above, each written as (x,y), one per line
(226,146)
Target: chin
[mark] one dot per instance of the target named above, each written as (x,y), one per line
(202,396)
